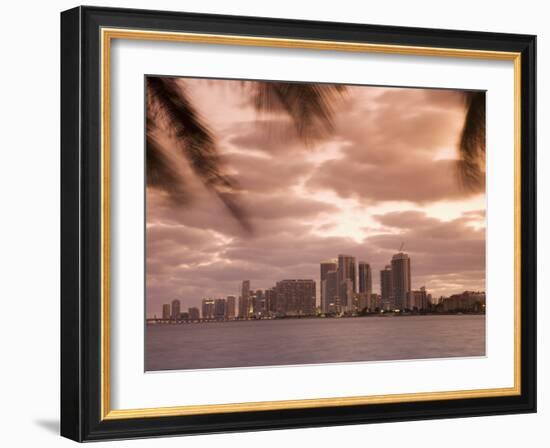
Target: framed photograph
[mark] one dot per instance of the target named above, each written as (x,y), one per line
(273,223)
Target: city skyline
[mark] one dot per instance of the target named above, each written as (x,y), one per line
(345,286)
(384,175)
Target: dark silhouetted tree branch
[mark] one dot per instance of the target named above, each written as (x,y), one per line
(309,106)
(472,142)
(195,140)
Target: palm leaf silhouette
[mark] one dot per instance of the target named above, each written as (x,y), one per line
(308,105)
(169,99)
(472,142)
(161,171)
(310,108)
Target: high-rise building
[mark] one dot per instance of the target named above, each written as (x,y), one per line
(219,309)
(365,277)
(194,314)
(386,296)
(401,279)
(244,299)
(329,290)
(326,268)
(230,307)
(347,296)
(271,300)
(296,297)
(166,311)
(418,300)
(208,306)
(365,285)
(175,309)
(258,303)
(346,281)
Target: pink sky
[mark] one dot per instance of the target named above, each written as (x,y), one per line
(384,176)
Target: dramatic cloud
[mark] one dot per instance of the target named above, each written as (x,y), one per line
(416,181)
(403,147)
(386,175)
(273,137)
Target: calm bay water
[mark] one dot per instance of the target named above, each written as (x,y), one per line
(312,341)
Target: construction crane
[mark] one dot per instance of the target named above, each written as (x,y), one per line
(401,247)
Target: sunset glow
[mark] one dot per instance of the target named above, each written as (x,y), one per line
(385,175)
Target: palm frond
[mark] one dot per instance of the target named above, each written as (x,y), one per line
(161,173)
(309,106)
(472,142)
(196,141)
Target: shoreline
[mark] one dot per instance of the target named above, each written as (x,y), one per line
(153,321)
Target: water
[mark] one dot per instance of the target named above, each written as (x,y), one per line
(312,341)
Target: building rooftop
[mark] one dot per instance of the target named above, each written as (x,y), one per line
(400,256)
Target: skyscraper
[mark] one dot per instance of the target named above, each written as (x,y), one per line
(271,300)
(401,279)
(230,307)
(386,296)
(346,281)
(175,309)
(208,306)
(219,309)
(330,286)
(365,285)
(258,304)
(166,311)
(365,277)
(328,291)
(296,297)
(194,314)
(244,299)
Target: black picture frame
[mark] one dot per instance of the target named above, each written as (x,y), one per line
(81,224)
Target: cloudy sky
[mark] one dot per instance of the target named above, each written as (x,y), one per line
(385,175)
